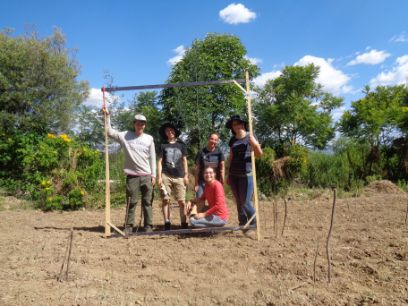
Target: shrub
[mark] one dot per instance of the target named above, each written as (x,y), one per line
(56,171)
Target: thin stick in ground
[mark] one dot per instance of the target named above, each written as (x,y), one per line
(275,217)
(69,253)
(286,214)
(406,213)
(329,236)
(314,261)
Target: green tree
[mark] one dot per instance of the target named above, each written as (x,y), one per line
(293,109)
(200,110)
(39,89)
(377,120)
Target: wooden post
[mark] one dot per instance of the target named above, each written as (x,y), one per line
(251,131)
(107,175)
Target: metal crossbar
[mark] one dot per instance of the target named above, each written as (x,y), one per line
(171,85)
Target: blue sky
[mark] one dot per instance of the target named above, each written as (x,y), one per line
(355,42)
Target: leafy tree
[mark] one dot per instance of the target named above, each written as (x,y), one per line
(377,120)
(201,110)
(38,83)
(293,109)
(375,117)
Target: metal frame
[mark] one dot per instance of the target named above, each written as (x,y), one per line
(108,223)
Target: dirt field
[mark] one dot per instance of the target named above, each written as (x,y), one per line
(369,250)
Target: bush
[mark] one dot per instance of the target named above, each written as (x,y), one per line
(264,171)
(55,171)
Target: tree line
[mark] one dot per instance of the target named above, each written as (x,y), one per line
(40,94)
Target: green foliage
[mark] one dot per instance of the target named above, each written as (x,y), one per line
(54,170)
(264,170)
(293,109)
(38,83)
(204,109)
(326,170)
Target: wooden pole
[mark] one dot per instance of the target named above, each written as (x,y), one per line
(107,175)
(251,131)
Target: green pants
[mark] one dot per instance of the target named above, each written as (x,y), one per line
(134,186)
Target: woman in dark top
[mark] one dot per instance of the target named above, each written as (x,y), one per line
(240,170)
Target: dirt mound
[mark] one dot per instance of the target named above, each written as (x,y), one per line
(383,186)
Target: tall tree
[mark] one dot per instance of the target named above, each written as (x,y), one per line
(293,108)
(200,110)
(39,89)
(376,117)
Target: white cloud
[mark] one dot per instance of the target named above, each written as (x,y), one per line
(261,80)
(332,79)
(236,13)
(396,76)
(180,51)
(401,38)
(95,98)
(372,57)
(253,60)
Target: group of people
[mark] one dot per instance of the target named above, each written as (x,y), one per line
(209,208)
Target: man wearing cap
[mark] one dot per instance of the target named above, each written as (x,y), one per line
(172,171)
(139,167)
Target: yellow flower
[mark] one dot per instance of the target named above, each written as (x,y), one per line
(65,138)
(82,192)
(51,136)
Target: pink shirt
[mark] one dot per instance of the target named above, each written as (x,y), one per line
(214,194)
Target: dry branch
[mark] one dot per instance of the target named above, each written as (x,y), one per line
(285,216)
(329,236)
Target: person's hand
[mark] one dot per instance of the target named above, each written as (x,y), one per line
(187,207)
(186,180)
(199,216)
(105,110)
(159,182)
(153,181)
(196,188)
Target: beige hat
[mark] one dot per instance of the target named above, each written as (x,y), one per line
(140,117)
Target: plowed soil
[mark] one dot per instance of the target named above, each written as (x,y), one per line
(369,249)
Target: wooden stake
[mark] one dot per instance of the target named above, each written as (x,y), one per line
(329,236)
(107,175)
(285,216)
(251,131)
(71,237)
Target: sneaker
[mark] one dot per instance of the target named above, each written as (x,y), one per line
(128,229)
(148,229)
(184,225)
(167,226)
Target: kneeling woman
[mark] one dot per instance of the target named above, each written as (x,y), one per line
(217,212)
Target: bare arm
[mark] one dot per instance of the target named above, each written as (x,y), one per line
(185,166)
(255,146)
(159,172)
(222,172)
(196,175)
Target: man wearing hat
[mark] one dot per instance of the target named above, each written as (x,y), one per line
(140,169)
(172,171)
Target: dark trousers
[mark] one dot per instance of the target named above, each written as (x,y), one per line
(242,188)
(142,185)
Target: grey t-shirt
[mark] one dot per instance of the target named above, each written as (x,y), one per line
(140,154)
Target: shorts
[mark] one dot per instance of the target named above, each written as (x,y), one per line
(174,186)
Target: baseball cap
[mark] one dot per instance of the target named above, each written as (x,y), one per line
(140,117)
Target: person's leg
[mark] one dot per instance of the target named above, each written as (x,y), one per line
(132,191)
(248,205)
(166,200)
(208,221)
(147,197)
(238,187)
(180,194)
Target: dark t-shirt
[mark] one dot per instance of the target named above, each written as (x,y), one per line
(210,158)
(241,156)
(172,158)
